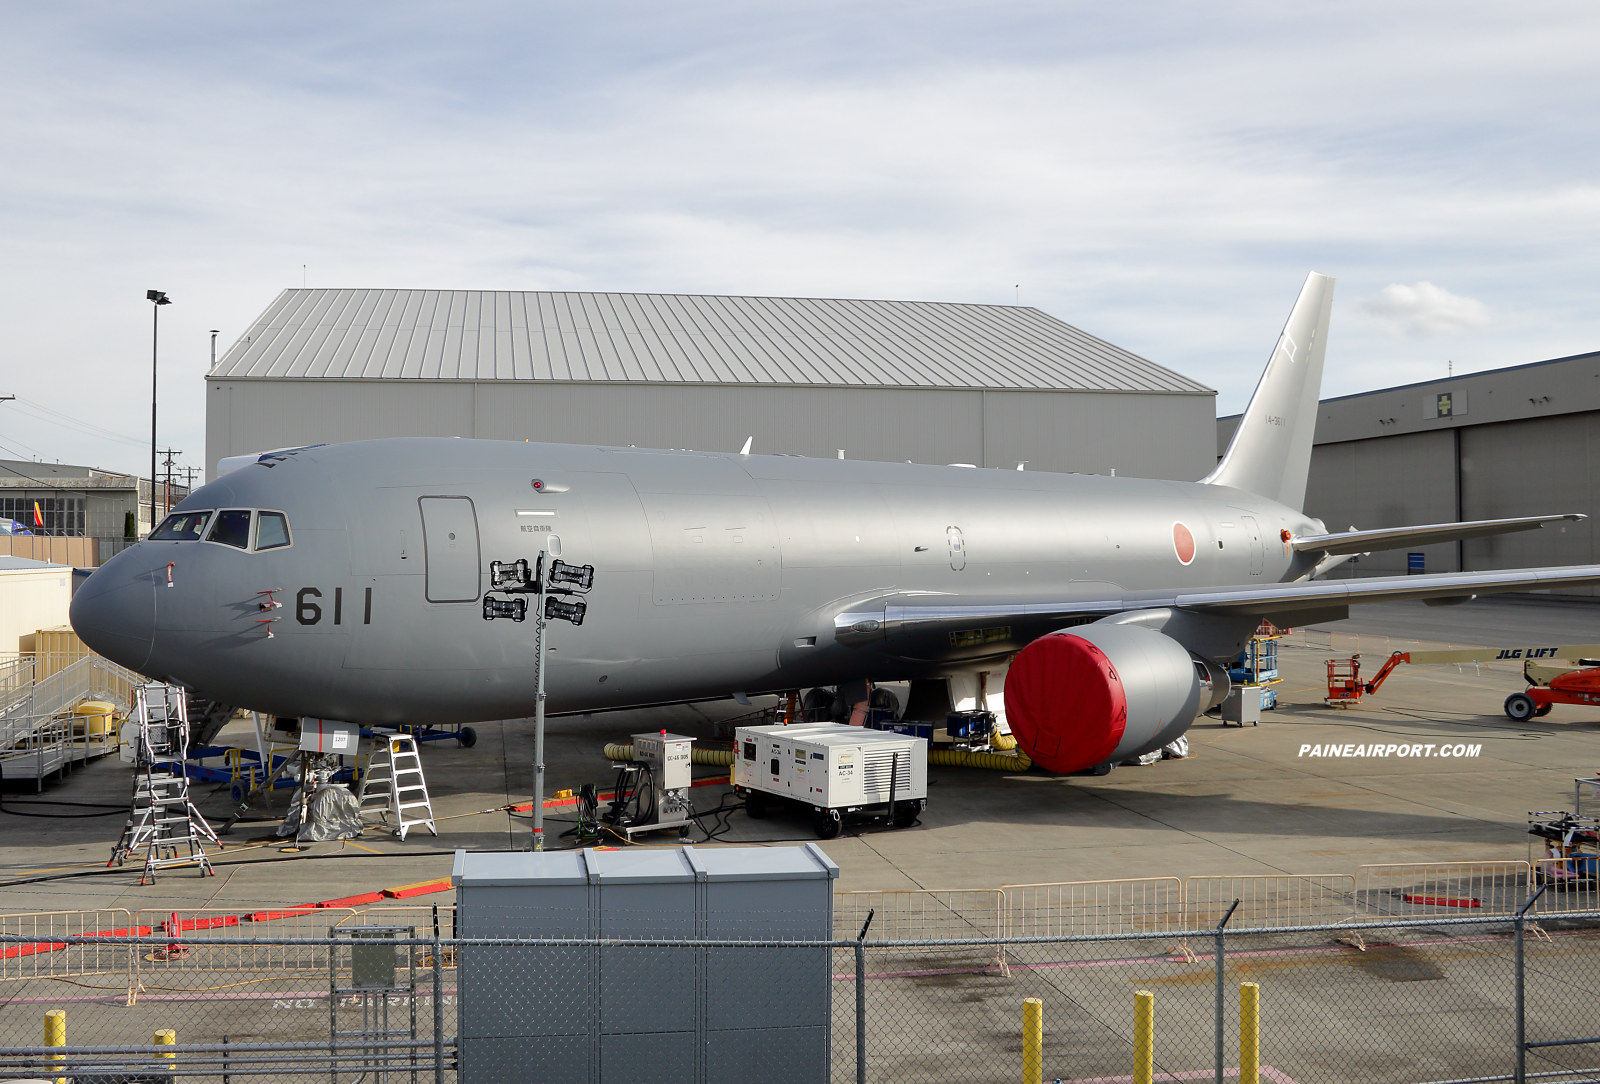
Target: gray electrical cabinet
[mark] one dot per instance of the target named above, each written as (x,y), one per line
(617,1014)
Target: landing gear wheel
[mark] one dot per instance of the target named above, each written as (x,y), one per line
(826,823)
(468,737)
(1520,707)
(755,806)
(1543,709)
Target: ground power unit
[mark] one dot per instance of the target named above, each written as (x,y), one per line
(835,771)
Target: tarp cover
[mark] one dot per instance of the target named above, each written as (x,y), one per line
(333,813)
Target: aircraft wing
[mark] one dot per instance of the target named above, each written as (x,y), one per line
(1395,538)
(1269,598)
(969,620)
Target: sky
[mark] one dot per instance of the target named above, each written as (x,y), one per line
(1160,175)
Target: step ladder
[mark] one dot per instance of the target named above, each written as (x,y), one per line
(163,823)
(393,785)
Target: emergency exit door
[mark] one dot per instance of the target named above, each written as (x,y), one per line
(450,548)
(1253,529)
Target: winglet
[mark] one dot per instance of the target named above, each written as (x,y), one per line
(1270,453)
(747,442)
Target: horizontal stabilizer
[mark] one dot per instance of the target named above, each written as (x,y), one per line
(1397,538)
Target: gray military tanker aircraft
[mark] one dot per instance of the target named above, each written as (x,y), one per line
(348,581)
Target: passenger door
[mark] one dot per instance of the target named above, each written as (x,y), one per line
(450,547)
(1253,529)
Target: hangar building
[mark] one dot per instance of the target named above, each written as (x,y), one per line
(1518,441)
(988,385)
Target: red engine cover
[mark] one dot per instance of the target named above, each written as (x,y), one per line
(1065,703)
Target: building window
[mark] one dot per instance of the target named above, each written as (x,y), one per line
(55,516)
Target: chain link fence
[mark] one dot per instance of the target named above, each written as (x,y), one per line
(388,995)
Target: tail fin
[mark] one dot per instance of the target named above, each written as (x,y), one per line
(1270,453)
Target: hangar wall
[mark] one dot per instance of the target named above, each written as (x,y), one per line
(1518,441)
(1140,434)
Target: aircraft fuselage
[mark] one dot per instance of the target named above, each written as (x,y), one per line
(715,573)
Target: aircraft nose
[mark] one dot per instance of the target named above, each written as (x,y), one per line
(114,612)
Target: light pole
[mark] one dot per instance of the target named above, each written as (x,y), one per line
(158,298)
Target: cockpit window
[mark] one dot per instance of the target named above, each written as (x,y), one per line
(272,530)
(231,528)
(181,527)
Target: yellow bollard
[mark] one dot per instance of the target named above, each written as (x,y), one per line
(1249,1032)
(1032,1041)
(55,1034)
(166,1037)
(1144,1036)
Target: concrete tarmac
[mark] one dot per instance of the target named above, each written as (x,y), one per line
(1246,801)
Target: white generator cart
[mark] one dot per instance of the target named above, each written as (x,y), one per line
(835,770)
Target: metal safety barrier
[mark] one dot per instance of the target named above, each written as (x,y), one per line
(1411,889)
(1067,908)
(917,914)
(1571,884)
(1269,900)
(42,950)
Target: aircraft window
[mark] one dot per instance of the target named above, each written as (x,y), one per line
(231,528)
(181,527)
(272,530)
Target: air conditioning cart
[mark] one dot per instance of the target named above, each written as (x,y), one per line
(835,771)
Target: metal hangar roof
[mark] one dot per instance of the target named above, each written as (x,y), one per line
(680,339)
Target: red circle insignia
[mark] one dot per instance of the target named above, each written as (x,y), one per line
(1183,543)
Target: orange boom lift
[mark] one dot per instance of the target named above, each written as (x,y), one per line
(1548,685)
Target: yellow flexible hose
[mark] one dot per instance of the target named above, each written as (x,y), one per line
(999,762)
(1002,741)
(721,758)
(943,758)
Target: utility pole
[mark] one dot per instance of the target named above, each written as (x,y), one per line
(166,488)
(157,298)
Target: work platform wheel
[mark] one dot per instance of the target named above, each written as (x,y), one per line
(1520,707)
(826,823)
(468,737)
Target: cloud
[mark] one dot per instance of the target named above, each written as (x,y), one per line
(1424,310)
(1134,175)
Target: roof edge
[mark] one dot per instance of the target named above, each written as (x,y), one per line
(763,385)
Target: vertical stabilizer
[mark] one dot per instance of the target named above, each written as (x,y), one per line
(1270,453)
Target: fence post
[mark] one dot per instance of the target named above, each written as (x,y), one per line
(1518,924)
(1249,1033)
(861,998)
(1032,1041)
(1144,1036)
(438,999)
(1218,1042)
(55,1034)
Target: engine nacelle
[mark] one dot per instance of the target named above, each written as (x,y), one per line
(1099,693)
